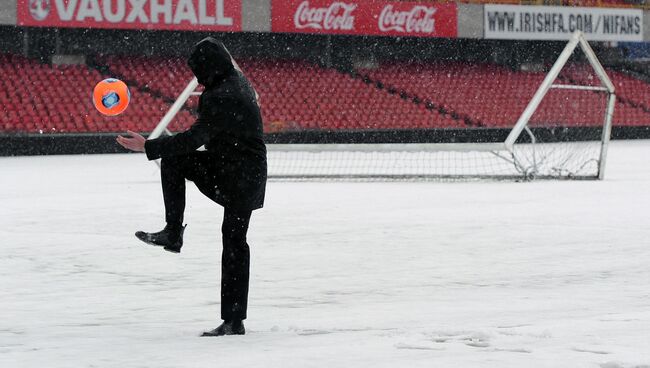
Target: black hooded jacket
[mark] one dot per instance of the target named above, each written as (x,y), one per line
(229,125)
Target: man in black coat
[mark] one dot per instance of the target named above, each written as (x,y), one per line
(231,171)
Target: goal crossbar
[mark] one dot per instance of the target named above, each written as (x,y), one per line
(387,147)
(577,87)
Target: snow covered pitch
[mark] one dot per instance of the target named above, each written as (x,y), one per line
(478,274)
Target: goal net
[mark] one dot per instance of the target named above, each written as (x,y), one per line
(480,121)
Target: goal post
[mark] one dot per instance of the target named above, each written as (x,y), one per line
(562,133)
(606,86)
(161,127)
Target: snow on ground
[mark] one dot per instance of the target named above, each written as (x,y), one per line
(490,274)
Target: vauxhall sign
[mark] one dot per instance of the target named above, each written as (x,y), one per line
(362,17)
(204,15)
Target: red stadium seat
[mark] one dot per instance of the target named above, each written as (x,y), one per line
(299,95)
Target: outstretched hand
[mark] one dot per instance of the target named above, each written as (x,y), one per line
(134,143)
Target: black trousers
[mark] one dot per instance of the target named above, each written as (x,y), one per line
(235,258)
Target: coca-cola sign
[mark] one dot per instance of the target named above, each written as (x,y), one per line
(417,20)
(339,15)
(198,15)
(363,17)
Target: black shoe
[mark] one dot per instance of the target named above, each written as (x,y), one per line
(170,237)
(235,327)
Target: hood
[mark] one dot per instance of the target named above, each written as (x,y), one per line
(210,61)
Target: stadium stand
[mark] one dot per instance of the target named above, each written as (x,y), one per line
(297,95)
(495,96)
(294,95)
(584,3)
(40,98)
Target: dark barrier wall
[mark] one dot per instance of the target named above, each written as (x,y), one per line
(43,144)
(45,42)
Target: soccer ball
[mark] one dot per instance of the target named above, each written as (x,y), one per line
(111,96)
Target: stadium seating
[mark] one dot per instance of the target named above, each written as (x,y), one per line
(582,3)
(42,98)
(297,95)
(312,97)
(496,96)
(293,94)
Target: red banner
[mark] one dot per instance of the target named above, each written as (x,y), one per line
(191,15)
(365,17)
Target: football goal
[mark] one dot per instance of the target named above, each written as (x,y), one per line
(541,124)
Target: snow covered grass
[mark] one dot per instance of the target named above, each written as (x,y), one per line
(488,274)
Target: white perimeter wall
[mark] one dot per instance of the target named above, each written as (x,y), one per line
(8,12)
(256,15)
(646,25)
(470,21)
